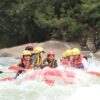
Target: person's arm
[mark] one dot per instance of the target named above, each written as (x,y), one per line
(19,63)
(20,71)
(45,63)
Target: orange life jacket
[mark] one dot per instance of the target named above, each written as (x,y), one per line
(77,62)
(25,64)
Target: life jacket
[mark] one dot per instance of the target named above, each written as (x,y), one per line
(51,64)
(77,63)
(64,61)
(38,60)
(25,64)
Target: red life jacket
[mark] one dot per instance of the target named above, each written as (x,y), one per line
(77,63)
(64,61)
(26,64)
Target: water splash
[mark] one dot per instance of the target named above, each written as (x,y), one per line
(86,87)
(87,93)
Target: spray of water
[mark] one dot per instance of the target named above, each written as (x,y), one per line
(85,87)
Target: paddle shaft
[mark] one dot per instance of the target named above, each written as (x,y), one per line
(1,72)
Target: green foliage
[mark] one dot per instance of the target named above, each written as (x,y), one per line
(24,21)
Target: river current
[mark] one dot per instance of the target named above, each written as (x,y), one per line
(88,88)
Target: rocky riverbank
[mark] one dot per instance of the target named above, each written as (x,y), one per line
(57,46)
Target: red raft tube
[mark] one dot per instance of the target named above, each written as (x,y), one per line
(50,76)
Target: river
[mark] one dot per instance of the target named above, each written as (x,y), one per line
(88,88)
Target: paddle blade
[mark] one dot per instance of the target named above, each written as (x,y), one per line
(16,68)
(7,79)
(1,72)
(94,73)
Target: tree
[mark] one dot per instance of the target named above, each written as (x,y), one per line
(25,21)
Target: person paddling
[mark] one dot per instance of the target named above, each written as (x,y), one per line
(50,60)
(25,61)
(65,60)
(77,60)
(38,57)
(30,48)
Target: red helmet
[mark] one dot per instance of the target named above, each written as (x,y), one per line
(51,53)
(29,47)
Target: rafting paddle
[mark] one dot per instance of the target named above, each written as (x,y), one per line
(1,72)
(94,73)
(18,69)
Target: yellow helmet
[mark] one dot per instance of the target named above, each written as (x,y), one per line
(38,50)
(68,52)
(26,53)
(76,51)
